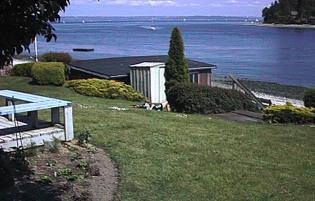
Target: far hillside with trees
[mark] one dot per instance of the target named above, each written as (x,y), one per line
(290,12)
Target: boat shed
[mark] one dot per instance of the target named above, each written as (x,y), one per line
(118,68)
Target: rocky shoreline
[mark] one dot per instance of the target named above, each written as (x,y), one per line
(275,89)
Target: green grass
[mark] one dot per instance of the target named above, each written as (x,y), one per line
(165,157)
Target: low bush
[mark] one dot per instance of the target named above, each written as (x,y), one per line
(56,57)
(191,98)
(105,89)
(23,70)
(289,114)
(309,98)
(84,137)
(49,73)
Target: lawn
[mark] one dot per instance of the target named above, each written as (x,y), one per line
(165,157)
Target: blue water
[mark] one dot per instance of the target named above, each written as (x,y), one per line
(284,56)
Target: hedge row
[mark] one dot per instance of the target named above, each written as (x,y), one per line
(105,89)
(56,57)
(309,98)
(289,114)
(23,70)
(50,73)
(191,98)
(43,73)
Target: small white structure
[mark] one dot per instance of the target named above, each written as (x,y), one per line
(148,78)
(30,130)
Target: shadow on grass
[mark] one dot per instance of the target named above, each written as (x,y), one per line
(18,184)
(31,191)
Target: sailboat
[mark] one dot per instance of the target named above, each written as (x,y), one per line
(151,27)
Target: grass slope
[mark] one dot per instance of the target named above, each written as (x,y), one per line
(165,157)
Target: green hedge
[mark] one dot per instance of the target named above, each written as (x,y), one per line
(105,89)
(191,98)
(289,114)
(24,70)
(56,57)
(50,73)
(309,98)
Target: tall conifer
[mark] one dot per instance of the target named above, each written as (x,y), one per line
(176,70)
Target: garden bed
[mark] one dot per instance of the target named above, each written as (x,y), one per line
(72,173)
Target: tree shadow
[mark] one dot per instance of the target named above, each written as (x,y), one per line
(31,191)
(18,184)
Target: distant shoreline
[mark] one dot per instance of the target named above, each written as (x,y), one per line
(296,26)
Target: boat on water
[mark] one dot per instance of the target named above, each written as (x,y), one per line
(152,28)
(83,49)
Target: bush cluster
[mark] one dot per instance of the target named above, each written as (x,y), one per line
(309,98)
(49,73)
(191,98)
(105,89)
(56,57)
(24,70)
(289,114)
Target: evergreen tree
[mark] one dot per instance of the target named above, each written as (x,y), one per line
(290,12)
(300,9)
(176,70)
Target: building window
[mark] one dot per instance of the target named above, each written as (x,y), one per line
(194,78)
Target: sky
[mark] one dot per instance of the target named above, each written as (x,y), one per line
(166,7)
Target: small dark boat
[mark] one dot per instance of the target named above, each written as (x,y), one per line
(83,49)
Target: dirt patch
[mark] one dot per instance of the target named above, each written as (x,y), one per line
(72,173)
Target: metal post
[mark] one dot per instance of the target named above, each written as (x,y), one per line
(36,49)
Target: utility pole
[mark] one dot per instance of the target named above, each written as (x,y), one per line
(36,49)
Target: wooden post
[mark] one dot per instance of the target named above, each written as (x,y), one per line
(11,117)
(234,86)
(55,116)
(69,135)
(34,118)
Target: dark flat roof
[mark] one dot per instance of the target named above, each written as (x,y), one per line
(120,66)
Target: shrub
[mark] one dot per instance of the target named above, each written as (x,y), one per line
(191,98)
(53,146)
(50,73)
(289,114)
(105,89)
(84,137)
(309,98)
(24,70)
(56,57)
